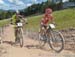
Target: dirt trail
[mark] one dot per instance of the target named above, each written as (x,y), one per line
(30,48)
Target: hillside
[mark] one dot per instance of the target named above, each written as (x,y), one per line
(63,18)
(4,22)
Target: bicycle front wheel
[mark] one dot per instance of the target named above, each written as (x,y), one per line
(21,37)
(42,40)
(56,41)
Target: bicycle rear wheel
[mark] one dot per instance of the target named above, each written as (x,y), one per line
(56,41)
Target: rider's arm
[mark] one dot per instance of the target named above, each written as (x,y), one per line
(25,20)
(20,16)
(52,19)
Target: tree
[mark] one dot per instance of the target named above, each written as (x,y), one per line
(71,0)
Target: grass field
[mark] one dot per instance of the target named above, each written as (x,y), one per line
(63,18)
(4,22)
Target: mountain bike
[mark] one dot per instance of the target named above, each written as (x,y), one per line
(53,37)
(20,33)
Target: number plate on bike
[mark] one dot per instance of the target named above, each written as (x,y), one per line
(19,24)
(52,25)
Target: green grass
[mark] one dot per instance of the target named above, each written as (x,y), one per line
(4,22)
(34,22)
(63,18)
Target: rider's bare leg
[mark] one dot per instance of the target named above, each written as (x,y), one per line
(42,30)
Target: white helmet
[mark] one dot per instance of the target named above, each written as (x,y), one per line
(17,11)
